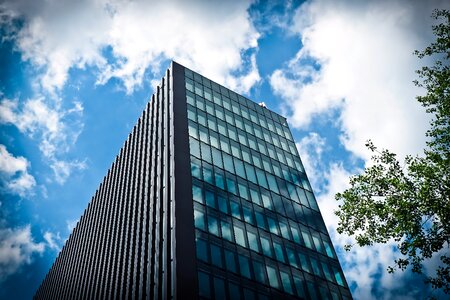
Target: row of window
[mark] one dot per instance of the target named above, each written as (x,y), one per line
(257,216)
(248,109)
(269,160)
(255,168)
(298,210)
(271,246)
(215,113)
(270,146)
(226,259)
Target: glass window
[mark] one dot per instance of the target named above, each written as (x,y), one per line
(326,272)
(249,294)
(273,226)
(244,266)
(272,183)
(216,255)
(253,241)
(196,170)
(231,185)
(338,276)
(193,130)
(260,272)
(219,288)
(246,155)
(201,116)
(266,247)
(278,251)
(248,215)
(210,199)
(315,266)
(266,200)
(250,170)
(307,239)
(286,281)
(206,152)
(226,231)
(207,174)
(273,278)
(312,290)
(220,182)
(199,219)
(328,249)
(194,147)
(291,257)
(217,158)
(317,243)
(225,145)
(203,134)
(204,285)
(223,205)
(261,178)
(284,230)
(228,163)
(240,236)
(202,250)
(213,228)
(260,222)
(239,167)
(295,235)
(298,282)
(235,210)
(234,291)
(197,193)
(243,192)
(255,196)
(230,261)
(304,262)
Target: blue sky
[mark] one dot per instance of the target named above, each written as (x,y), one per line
(75,76)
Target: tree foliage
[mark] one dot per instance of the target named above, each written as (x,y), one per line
(409,202)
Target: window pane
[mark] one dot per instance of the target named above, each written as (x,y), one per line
(231,186)
(266,201)
(328,249)
(197,193)
(244,266)
(307,239)
(216,256)
(260,222)
(326,272)
(266,247)
(230,261)
(226,231)
(243,192)
(318,244)
(253,241)
(260,272)
(284,230)
(203,285)
(223,205)
(240,237)
(220,183)
(210,199)
(273,278)
(202,250)
(261,178)
(234,291)
(304,263)
(194,147)
(199,219)
(219,288)
(279,252)
(273,226)
(255,197)
(298,282)
(286,281)
(235,211)
(315,267)
(212,225)
(338,276)
(295,235)
(291,257)
(248,216)
(195,170)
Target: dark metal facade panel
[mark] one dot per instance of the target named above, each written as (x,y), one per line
(124,244)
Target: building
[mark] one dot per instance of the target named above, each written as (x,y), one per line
(207,198)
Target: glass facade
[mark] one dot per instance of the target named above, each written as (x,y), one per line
(259,232)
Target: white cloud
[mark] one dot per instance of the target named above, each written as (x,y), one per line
(49,123)
(53,240)
(209,36)
(17,248)
(310,149)
(14,173)
(366,70)
(71,224)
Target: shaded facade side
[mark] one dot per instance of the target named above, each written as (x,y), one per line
(125,243)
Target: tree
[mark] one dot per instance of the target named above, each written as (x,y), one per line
(409,202)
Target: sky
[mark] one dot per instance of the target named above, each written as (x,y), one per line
(75,76)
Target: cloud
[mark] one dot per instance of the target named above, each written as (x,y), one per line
(310,149)
(51,125)
(14,173)
(125,39)
(357,58)
(53,240)
(71,224)
(16,249)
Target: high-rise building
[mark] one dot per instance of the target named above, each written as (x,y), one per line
(207,198)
